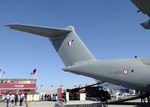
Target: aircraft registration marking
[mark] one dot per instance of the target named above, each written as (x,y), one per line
(125,71)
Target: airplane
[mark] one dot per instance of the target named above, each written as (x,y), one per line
(131,73)
(144,7)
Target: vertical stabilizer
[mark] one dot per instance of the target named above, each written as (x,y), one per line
(65,41)
(71,49)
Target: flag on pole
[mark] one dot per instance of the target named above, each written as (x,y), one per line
(3,72)
(61,86)
(75,86)
(33,72)
(41,85)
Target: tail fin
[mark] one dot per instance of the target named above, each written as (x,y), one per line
(65,41)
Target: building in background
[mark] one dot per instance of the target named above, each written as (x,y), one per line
(19,86)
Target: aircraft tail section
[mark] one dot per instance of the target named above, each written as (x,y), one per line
(65,41)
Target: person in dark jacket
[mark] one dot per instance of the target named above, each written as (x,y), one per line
(16,99)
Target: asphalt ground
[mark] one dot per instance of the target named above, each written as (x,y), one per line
(31,104)
(42,104)
(133,103)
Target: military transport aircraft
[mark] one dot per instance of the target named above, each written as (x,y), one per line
(132,73)
(144,6)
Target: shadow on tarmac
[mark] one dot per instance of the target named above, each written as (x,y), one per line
(137,104)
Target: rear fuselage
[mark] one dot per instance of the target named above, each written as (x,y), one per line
(131,73)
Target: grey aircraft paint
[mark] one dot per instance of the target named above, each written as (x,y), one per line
(132,73)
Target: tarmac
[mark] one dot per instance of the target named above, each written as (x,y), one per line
(31,104)
(133,103)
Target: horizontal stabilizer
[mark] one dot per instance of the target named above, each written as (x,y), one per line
(146,24)
(143,5)
(42,31)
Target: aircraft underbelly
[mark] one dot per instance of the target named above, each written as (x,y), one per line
(131,74)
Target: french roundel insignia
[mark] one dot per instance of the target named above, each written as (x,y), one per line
(125,71)
(70,42)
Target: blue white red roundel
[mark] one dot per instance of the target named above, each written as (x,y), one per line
(125,71)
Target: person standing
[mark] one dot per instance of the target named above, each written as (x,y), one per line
(16,99)
(21,99)
(7,100)
(12,98)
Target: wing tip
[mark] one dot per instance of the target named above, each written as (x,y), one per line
(7,25)
(12,25)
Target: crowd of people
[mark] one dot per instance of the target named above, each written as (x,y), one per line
(49,97)
(13,99)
